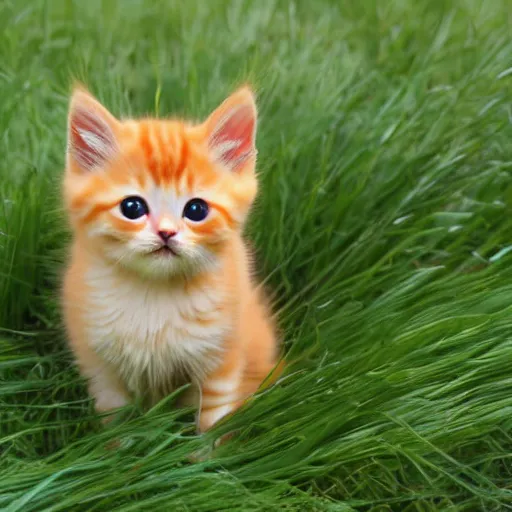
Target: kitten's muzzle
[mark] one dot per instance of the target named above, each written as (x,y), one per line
(168,246)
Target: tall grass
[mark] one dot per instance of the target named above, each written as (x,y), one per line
(383,228)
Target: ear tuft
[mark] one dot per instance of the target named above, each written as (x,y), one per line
(91,132)
(232,131)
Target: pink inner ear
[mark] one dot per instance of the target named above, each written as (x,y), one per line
(234,138)
(90,137)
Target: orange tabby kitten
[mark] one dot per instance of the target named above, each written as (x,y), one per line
(158,291)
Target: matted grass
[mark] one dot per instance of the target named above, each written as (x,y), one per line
(383,229)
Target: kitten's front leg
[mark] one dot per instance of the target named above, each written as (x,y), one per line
(107,390)
(103,384)
(220,392)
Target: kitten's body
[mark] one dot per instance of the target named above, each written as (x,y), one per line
(140,322)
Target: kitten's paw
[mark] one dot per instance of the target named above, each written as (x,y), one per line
(107,404)
(109,400)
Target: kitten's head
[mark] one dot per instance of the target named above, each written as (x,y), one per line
(160,197)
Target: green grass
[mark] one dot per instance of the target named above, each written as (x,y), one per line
(383,229)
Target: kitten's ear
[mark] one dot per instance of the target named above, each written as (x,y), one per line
(231,131)
(91,132)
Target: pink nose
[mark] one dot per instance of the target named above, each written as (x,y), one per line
(165,235)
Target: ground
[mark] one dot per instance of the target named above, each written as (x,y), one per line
(383,230)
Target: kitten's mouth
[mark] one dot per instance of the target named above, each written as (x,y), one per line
(165,250)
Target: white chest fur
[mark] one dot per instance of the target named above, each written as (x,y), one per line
(155,336)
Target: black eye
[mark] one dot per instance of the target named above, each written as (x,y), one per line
(196,210)
(134,207)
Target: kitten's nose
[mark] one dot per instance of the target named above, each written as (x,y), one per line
(166,228)
(166,234)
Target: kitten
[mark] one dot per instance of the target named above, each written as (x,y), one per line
(158,291)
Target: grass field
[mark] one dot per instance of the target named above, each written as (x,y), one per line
(383,228)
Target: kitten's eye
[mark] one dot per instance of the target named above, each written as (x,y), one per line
(134,207)
(196,210)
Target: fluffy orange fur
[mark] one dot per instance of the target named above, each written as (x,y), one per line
(157,299)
